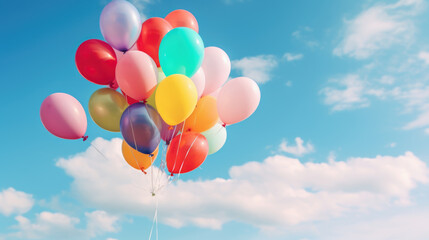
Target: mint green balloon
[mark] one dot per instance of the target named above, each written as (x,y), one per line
(181,52)
(216,137)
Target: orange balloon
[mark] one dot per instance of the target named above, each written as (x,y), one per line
(204,116)
(182,18)
(136,159)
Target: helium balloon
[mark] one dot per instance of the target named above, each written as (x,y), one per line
(182,18)
(136,75)
(199,80)
(186,152)
(120,24)
(96,61)
(153,30)
(216,137)
(167,132)
(138,129)
(176,97)
(217,66)
(151,100)
(237,100)
(106,107)
(137,159)
(204,115)
(181,52)
(63,116)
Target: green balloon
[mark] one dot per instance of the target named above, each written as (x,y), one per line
(216,137)
(181,52)
(106,107)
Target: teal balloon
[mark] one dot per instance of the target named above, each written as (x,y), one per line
(216,137)
(181,52)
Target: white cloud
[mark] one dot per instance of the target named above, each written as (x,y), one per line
(292,57)
(279,191)
(141,6)
(15,202)
(298,149)
(49,225)
(424,56)
(258,67)
(379,27)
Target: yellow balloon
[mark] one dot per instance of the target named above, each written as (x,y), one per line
(204,116)
(151,100)
(136,159)
(106,107)
(176,98)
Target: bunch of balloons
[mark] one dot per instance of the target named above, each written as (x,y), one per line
(172,89)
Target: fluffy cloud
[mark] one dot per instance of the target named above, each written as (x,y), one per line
(15,202)
(292,57)
(258,68)
(424,56)
(298,149)
(379,27)
(279,191)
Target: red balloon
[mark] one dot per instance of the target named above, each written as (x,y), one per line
(96,61)
(129,99)
(182,18)
(153,30)
(186,152)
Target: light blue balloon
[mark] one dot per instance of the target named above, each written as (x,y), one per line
(216,137)
(120,24)
(181,52)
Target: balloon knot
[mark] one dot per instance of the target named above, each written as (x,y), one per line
(151,155)
(113,85)
(145,101)
(170,127)
(84,138)
(153,194)
(223,124)
(172,174)
(143,171)
(167,143)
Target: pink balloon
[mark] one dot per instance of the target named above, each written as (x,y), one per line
(199,80)
(237,100)
(63,116)
(216,66)
(136,75)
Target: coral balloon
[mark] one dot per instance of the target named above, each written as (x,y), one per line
(176,97)
(152,32)
(186,152)
(199,80)
(204,115)
(237,100)
(137,159)
(181,52)
(120,24)
(106,107)
(182,18)
(217,67)
(63,116)
(96,61)
(136,75)
(167,132)
(216,137)
(138,129)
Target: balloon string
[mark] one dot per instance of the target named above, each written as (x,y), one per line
(98,150)
(135,145)
(155,220)
(180,140)
(189,149)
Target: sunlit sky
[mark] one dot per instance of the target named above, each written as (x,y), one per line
(337,149)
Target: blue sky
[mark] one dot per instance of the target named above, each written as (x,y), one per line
(338,148)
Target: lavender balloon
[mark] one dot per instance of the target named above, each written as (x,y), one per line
(168,132)
(120,24)
(138,129)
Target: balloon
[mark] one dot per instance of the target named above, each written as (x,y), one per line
(151,100)
(186,152)
(168,132)
(182,18)
(176,97)
(137,159)
(217,66)
(216,137)
(63,116)
(237,100)
(138,129)
(120,24)
(136,75)
(106,107)
(181,52)
(96,61)
(129,99)
(204,115)
(153,30)
(199,80)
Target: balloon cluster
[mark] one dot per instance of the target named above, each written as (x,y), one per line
(172,89)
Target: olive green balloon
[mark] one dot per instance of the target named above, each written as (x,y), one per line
(106,107)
